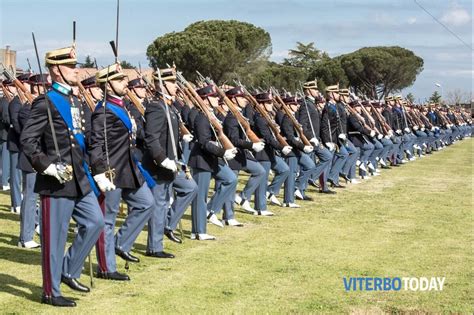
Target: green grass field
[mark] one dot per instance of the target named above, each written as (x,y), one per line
(413,221)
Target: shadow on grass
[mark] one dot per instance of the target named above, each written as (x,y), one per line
(20,255)
(5,214)
(8,239)
(9,284)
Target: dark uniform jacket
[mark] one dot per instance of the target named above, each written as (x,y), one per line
(38,146)
(308,115)
(23,162)
(358,134)
(263,131)
(158,143)
(206,151)
(140,137)
(333,122)
(389,117)
(239,139)
(3,124)
(288,131)
(121,148)
(13,142)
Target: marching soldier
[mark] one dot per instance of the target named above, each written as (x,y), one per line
(270,157)
(4,126)
(118,173)
(310,119)
(162,153)
(208,158)
(56,152)
(29,215)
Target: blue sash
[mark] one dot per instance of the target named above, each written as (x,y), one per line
(123,116)
(64,109)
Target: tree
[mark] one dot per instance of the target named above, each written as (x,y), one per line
(126,65)
(411,97)
(305,56)
(277,75)
(88,63)
(215,48)
(379,71)
(457,97)
(435,97)
(329,72)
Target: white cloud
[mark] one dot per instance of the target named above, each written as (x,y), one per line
(456,16)
(411,20)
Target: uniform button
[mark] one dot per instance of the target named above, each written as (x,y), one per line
(73,145)
(83,128)
(82,112)
(71,136)
(83,120)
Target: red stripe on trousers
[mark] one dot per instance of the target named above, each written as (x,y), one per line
(45,244)
(101,258)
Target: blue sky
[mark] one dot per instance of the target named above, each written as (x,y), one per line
(337,27)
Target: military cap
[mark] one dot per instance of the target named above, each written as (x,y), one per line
(354,103)
(89,82)
(235,92)
(264,97)
(7,82)
(311,84)
(344,92)
(376,104)
(397,97)
(168,74)
(208,90)
(39,79)
(388,98)
(291,100)
(135,83)
(62,56)
(332,88)
(23,77)
(112,72)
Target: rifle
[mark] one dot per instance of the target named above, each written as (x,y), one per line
(134,99)
(271,123)
(383,123)
(87,98)
(296,124)
(6,93)
(243,122)
(23,93)
(215,124)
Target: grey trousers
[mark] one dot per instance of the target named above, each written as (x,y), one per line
(28,208)
(56,212)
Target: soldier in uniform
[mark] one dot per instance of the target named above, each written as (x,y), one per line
(4,126)
(63,181)
(209,159)
(310,119)
(29,215)
(270,157)
(245,157)
(162,151)
(13,147)
(118,173)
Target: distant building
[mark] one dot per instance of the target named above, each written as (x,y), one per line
(8,57)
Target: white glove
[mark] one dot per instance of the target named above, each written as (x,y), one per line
(51,170)
(379,136)
(372,133)
(314,141)
(422,128)
(387,137)
(104,183)
(330,146)
(407,130)
(308,148)
(229,154)
(398,131)
(286,150)
(415,128)
(433,128)
(188,138)
(169,164)
(342,136)
(257,147)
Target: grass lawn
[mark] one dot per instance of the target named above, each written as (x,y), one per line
(413,221)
